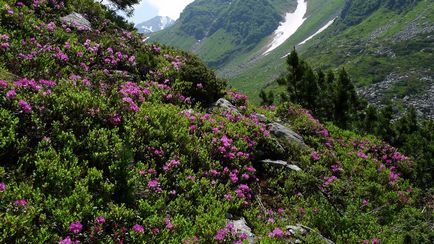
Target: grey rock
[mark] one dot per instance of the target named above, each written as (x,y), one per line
(241,227)
(223,105)
(281,163)
(283,132)
(303,230)
(77,20)
(261,117)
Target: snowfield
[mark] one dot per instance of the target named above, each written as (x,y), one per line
(319,31)
(292,22)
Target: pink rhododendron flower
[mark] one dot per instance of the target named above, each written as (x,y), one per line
(100,220)
(21,202)
(221,234)
(25,106)
(329,180)
(155,231)
(315,156)
(365,202)
(2,186)
(67,240)
(277,233)
(138,228)
(11,94)
(168,223)
(361,154)
(3,84)
(75,227)
(375,241)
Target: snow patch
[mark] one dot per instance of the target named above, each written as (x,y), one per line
(319,31)
(292,22)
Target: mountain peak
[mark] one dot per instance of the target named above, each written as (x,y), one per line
(155,24)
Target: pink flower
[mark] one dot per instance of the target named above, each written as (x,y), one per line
(3,84)
(67,240)
(138,228)
(221,234)
(329,180)
(116,119)
(361,154)
(365,202)
(21,202)
(4,45)
(11,94)
(51,26)
(153,184)
(277,233)
(315,156)
(75,227)
(2,186)
(25,106)
(155,231)
(168,223)
(375,241)
(100,220)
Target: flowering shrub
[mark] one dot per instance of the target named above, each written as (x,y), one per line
(107,139)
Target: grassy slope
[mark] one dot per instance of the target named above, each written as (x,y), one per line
(206,49)
(253,76)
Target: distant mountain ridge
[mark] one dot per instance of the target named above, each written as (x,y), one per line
(155,24)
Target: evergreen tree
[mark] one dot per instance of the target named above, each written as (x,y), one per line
(125,5)
(370,122)
(266,98)
(345,100)
(309,90)
(295,75)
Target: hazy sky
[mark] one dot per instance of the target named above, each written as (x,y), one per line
(148,9)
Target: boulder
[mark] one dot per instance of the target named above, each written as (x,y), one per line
(223,105)
(241,227)
(281,163)
(77,20)
(283,132)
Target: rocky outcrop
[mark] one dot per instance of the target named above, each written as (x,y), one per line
(223,106)
(281,163)
(423,102)
(284,133)
(77,20)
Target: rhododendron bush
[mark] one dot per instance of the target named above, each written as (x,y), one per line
(107,139)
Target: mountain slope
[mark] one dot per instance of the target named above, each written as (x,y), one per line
(384,42)
(105,138)
(155,24)
(234,26)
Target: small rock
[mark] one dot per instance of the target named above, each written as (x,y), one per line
(281,163)
(223,105)
(281,131)
(261,117)
(241,227)
(303,230)
(77,20)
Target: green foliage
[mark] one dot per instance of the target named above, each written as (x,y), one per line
(106,139)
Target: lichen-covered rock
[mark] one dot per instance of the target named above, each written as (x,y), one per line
(283,132)
(77,20)
(281,163)
(223,105)
(241,227)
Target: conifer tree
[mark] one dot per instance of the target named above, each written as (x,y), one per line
(345,100)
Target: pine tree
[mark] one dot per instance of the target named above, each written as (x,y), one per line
(346,99)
